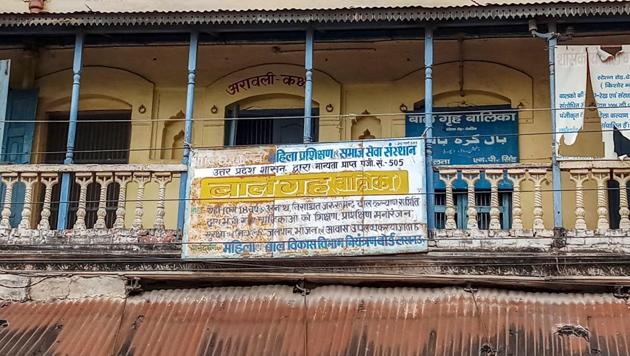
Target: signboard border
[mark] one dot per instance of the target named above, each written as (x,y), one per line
(185,255)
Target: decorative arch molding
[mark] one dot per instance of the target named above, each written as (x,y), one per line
(172,133)
(507,84)
(421,69)
(326,92)
(366,126)
(298,67)
(93,102)
(103,88)
(98,82)
(275,78)
(272,101)
(454,98)
(96,66)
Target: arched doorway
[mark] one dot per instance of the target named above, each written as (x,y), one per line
(268,119)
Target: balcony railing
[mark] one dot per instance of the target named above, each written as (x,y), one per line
(135,204)
(107,201)
(515,176)
(589,215)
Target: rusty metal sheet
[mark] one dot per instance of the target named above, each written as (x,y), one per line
(346,198)
(332,320)
(267,320)
(82,327)
(336,320)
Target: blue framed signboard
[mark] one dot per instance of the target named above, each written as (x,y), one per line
(472,135)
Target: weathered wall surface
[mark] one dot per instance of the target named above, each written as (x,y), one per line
(21,287)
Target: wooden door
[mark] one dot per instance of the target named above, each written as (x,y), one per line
(18,141)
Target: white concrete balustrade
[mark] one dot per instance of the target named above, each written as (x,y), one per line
(599,173)
(37,198)
(495,175)
(139,206)
(585,192)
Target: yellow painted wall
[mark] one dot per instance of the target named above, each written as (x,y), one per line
(357,86)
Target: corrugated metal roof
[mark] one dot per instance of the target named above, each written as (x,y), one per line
(144,6)
(86,327)
(198,12)
(334,320)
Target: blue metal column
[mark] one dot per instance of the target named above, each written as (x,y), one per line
(428,123)
(190,102)
(556,178)
(66,178)
(308,87)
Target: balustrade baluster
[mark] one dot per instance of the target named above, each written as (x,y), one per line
(103,179)
(9,180)
(579,176)
(622,177)
(494,176)
(471,176)
(142,178)
(84,180)
(448,176)
(122,178)
(49,180)
(163,178)
(601,176)
(516,176)
(29,180)
(538,176)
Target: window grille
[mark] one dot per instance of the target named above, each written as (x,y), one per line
(106,138)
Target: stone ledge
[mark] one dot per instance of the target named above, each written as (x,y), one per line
(492,234)
(613,241)
(13,287)
(46,288)
(541,244)
(92,239)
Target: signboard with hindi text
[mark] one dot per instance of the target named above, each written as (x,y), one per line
(350,198)
(472,135)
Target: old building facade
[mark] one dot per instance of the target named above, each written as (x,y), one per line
(103,103)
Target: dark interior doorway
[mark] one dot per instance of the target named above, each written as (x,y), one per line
(102,137)
(267,126)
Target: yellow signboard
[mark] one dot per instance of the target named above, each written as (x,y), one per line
(348,198)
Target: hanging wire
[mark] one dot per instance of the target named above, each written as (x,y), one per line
(520,134)
(238,200)
(325,116)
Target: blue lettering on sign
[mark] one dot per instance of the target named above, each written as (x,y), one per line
(473,135)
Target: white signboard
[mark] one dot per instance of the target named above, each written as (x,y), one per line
(350,198)
(570,91)
(610,78)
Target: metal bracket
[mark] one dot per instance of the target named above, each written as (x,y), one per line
(559,238)
(469,289)
(301,289)
(133,286)
(622,292)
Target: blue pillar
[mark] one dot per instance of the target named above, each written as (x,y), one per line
(308,87)
(428,123)
(66,178)
(556,178)
(190,102)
